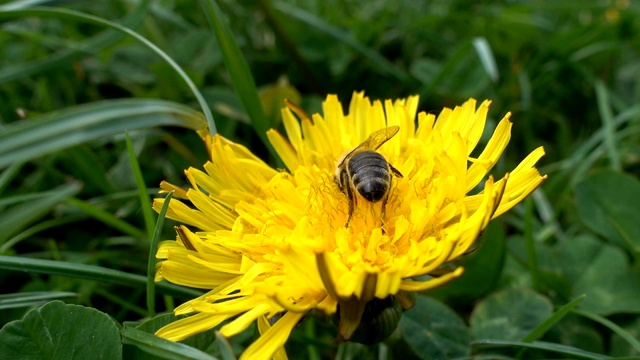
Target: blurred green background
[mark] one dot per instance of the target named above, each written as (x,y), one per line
(568,71)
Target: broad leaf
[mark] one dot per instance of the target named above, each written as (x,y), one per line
(577,332)
(585,265)
(608,204)
(60,331)
(610,284)
(509,314)
(434,331)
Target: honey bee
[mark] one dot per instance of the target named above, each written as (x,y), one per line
(366,171)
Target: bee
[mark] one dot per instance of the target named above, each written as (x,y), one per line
(366,171)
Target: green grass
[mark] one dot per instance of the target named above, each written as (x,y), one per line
(88,88)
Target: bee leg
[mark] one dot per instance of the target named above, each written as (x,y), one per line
(344,179)
(395,171)
(383,210)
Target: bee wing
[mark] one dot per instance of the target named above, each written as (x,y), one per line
(377,138)
(374,141)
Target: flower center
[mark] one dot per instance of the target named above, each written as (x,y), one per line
(366,241)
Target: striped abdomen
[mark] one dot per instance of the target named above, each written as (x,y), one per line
(369,173)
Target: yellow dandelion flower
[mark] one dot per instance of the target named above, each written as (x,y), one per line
(273,242)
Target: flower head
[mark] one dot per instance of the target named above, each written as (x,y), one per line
(285,242)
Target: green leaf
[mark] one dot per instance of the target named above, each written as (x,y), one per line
(107,218)
(239,71)
(60,331)
(610,284)
(225,101)
(24,299)
(606,116)
(579,263)
(608,204)
(620,346)
(352,351)
(90,272)
(93,45)
(9,174)
(86,165)
(151,263)
(461,73)
(16,218)
(159,347)
(45,134)
(482,268)
(223,348)
(582,158)
(510,314)
(319,24)
(33,229)
(571,257)
(65,14)
(145,203)
(539,345)
(483,49)
(22,4)
(611,325)
(539,330)
(532,259)
(434,331)
(577,332)
(272,99)
(195,345)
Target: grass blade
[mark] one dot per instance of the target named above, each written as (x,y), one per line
(145,203)
(25,299)
(160,347)
(557,316)
(25,69)
(107,218)
(78,16)
(22,215)
(241,77)
(570,351)
(125,303)
(611,325)
(22,4)
(87,166)
(90,272)
(36,137)
(223,348)
(483,49)
(9,174)
(534,269)
(36,228)
(606,115)
(151,265)
(376,59)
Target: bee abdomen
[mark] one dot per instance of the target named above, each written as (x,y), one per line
(370,175)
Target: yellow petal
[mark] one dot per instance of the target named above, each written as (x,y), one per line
(184,328)
(273,339)
(417,286)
